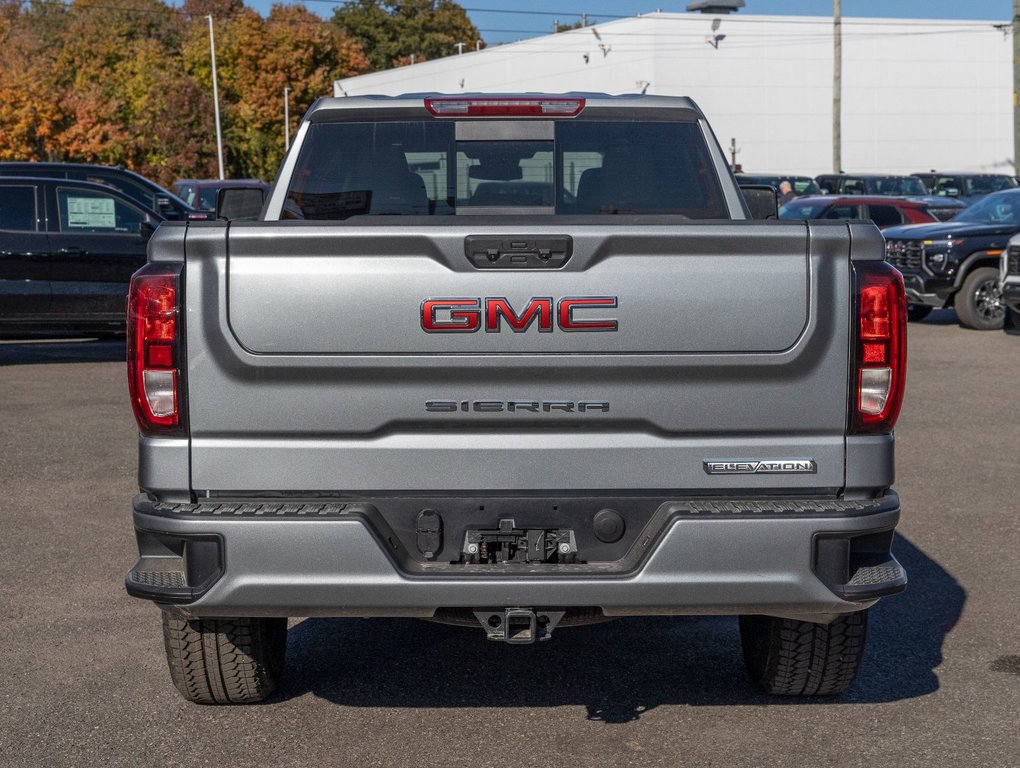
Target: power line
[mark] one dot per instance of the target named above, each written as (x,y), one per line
(952,27)
(728,19)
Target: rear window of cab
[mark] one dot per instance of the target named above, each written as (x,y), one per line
(421,168)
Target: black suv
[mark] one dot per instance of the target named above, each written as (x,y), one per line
(870,184)
(67,252)
(970,187)
(146,193)
(957,262)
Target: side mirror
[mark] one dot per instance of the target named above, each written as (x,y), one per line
(239,203)
(761,199)
(146,229)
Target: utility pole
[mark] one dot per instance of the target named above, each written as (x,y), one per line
(286,118)
(216,97)
(837,86)
(1016,85)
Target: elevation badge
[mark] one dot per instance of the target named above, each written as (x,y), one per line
(760,466)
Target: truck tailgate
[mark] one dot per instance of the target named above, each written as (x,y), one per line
(726,335)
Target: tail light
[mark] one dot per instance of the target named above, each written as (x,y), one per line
(880,347)
(154,348)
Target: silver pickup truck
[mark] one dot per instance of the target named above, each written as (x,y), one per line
(518,363)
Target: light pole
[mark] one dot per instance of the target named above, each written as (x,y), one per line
(286,118)
(837,87)
(216,97)
(1016,85)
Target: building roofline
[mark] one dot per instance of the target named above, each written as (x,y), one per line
(422,69)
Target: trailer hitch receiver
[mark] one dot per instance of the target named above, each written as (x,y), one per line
(518,626)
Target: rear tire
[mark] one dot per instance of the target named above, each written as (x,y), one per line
(917,312)
(799,658)
(979,301)
(225,661)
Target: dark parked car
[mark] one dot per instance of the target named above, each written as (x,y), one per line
(870,184)
(67,252)
(966,186)
(201,193)
(802,185)
(883,211)
(144,192)
(957,262)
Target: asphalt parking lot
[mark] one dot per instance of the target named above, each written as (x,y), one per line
(85,682)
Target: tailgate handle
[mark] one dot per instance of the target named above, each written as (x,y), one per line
(518,251)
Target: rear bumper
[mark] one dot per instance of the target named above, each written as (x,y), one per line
(784,558)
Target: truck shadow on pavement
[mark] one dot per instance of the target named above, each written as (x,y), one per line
(942,317)
(617,670)
(62,351)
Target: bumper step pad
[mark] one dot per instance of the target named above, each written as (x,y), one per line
(869,581)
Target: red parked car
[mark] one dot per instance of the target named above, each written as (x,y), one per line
(884,211)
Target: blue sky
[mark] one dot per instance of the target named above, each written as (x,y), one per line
(535,17)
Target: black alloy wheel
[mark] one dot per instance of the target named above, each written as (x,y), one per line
(979,302)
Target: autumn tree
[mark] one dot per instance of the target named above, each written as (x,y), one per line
(256,59)
(567,27)
(30,110)
(391,31)
(130,81)
(197,10)
(123,91)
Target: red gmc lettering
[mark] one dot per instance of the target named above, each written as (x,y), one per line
(568,306)
(466,315)
(497,308)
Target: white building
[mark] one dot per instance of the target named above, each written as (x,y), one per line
(917,95)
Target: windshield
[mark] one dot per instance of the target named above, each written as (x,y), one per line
(206,199)
(899,185)
(801,211)
(802,185)
(422,168)
(984,185)
(140,190)
(805,185)
(1000,208)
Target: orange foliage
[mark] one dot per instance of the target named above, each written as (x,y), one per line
(130,82)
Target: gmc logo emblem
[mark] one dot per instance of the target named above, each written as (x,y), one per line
(468,315)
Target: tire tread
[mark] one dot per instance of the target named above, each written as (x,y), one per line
(225,661)
(800,658)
